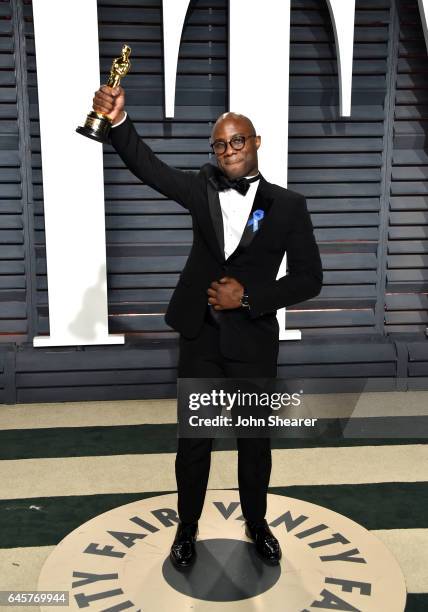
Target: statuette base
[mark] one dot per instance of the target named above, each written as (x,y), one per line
(97,127)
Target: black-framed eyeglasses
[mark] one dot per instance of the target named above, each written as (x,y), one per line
(237,142)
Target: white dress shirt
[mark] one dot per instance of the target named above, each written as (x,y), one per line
(121,121)
(235,209)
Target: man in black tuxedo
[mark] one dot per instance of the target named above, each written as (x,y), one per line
(224,305)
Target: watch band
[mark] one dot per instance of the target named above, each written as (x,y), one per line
(245,303)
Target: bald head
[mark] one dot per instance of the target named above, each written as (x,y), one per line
(244,121)
(236,163)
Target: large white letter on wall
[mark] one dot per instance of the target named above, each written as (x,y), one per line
(259,82)
(259,73)
(342,13)
(73,186)
(423,10)
(259,68)
(173,14)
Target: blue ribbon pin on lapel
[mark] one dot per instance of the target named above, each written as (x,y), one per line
(256,217)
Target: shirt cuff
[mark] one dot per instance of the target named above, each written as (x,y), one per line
(121,121)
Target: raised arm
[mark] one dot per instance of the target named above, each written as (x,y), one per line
(137,155)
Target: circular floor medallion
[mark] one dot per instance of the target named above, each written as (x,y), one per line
(119,561)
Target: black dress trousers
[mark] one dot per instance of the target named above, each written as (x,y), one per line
(201,357)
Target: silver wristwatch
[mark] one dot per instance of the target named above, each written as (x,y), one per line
(245,301)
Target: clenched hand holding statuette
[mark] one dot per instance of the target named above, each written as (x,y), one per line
(97,125)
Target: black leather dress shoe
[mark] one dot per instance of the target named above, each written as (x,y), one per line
(267,546)
(183,553)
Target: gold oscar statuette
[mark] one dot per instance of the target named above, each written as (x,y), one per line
(97,125)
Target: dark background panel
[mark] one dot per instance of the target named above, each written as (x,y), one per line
(407,262)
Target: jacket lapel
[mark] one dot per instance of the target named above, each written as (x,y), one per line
(261,205)
(216,216)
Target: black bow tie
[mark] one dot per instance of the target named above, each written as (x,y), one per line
(241,185)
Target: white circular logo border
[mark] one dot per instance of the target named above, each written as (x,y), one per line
(326,558)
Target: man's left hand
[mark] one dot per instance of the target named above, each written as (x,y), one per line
(225,294)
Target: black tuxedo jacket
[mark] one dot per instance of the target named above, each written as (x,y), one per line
(246,334)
